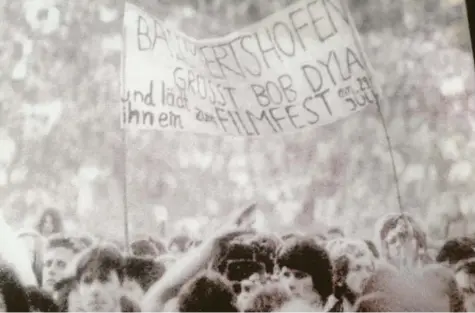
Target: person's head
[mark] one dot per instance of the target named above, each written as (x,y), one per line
(360,261)
(144,248)
(400,238)
(306,269)
(99,276)
(265,247)
(59,252)
(50,222)
(207,292)
(129,305)
(268,298)
(234,251)
(139,275)
(455,250)
(40,300)
(13,296)
(179,244)
(245,288)
(335,232)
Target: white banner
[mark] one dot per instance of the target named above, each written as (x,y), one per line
(298,68)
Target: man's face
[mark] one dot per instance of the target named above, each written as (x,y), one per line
(299,283)
(401,243)
(246,288)
(54,266)
(100,290)
(360,270)
(361,263)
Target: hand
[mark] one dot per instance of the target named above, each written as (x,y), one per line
(239,219)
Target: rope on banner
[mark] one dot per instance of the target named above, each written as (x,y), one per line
(379,98)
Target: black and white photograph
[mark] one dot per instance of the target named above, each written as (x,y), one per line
(237,156)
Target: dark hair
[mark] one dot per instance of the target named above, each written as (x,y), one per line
(144,247)
(265,248)
(14,293)
(457,249)
(307,256)
(58,225)
(100,260)
(233,251)
(40,300)
(207,292)
(129,305)
(259,248)
(288,236)
(63,241)
(336,230)
(181,241)
(268,299)
(144,271)
(467,266)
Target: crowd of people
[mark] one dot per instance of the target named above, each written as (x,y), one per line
(237,269)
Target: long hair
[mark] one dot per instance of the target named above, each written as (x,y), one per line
(387,222)
(305,255)
(58,225)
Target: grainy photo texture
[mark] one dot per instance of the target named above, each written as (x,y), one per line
(236,156)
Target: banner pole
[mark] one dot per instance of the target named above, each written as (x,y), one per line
(124,140)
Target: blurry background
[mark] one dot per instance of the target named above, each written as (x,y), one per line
(61,144)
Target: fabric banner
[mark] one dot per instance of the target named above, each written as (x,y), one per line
(298,68)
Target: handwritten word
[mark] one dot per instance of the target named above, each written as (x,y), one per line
(275,119)
(359,97)
(335,69)
(170,98)
(275,93)
(190,82)
(138,96)
(247,55)
(204,117)
(138,117)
